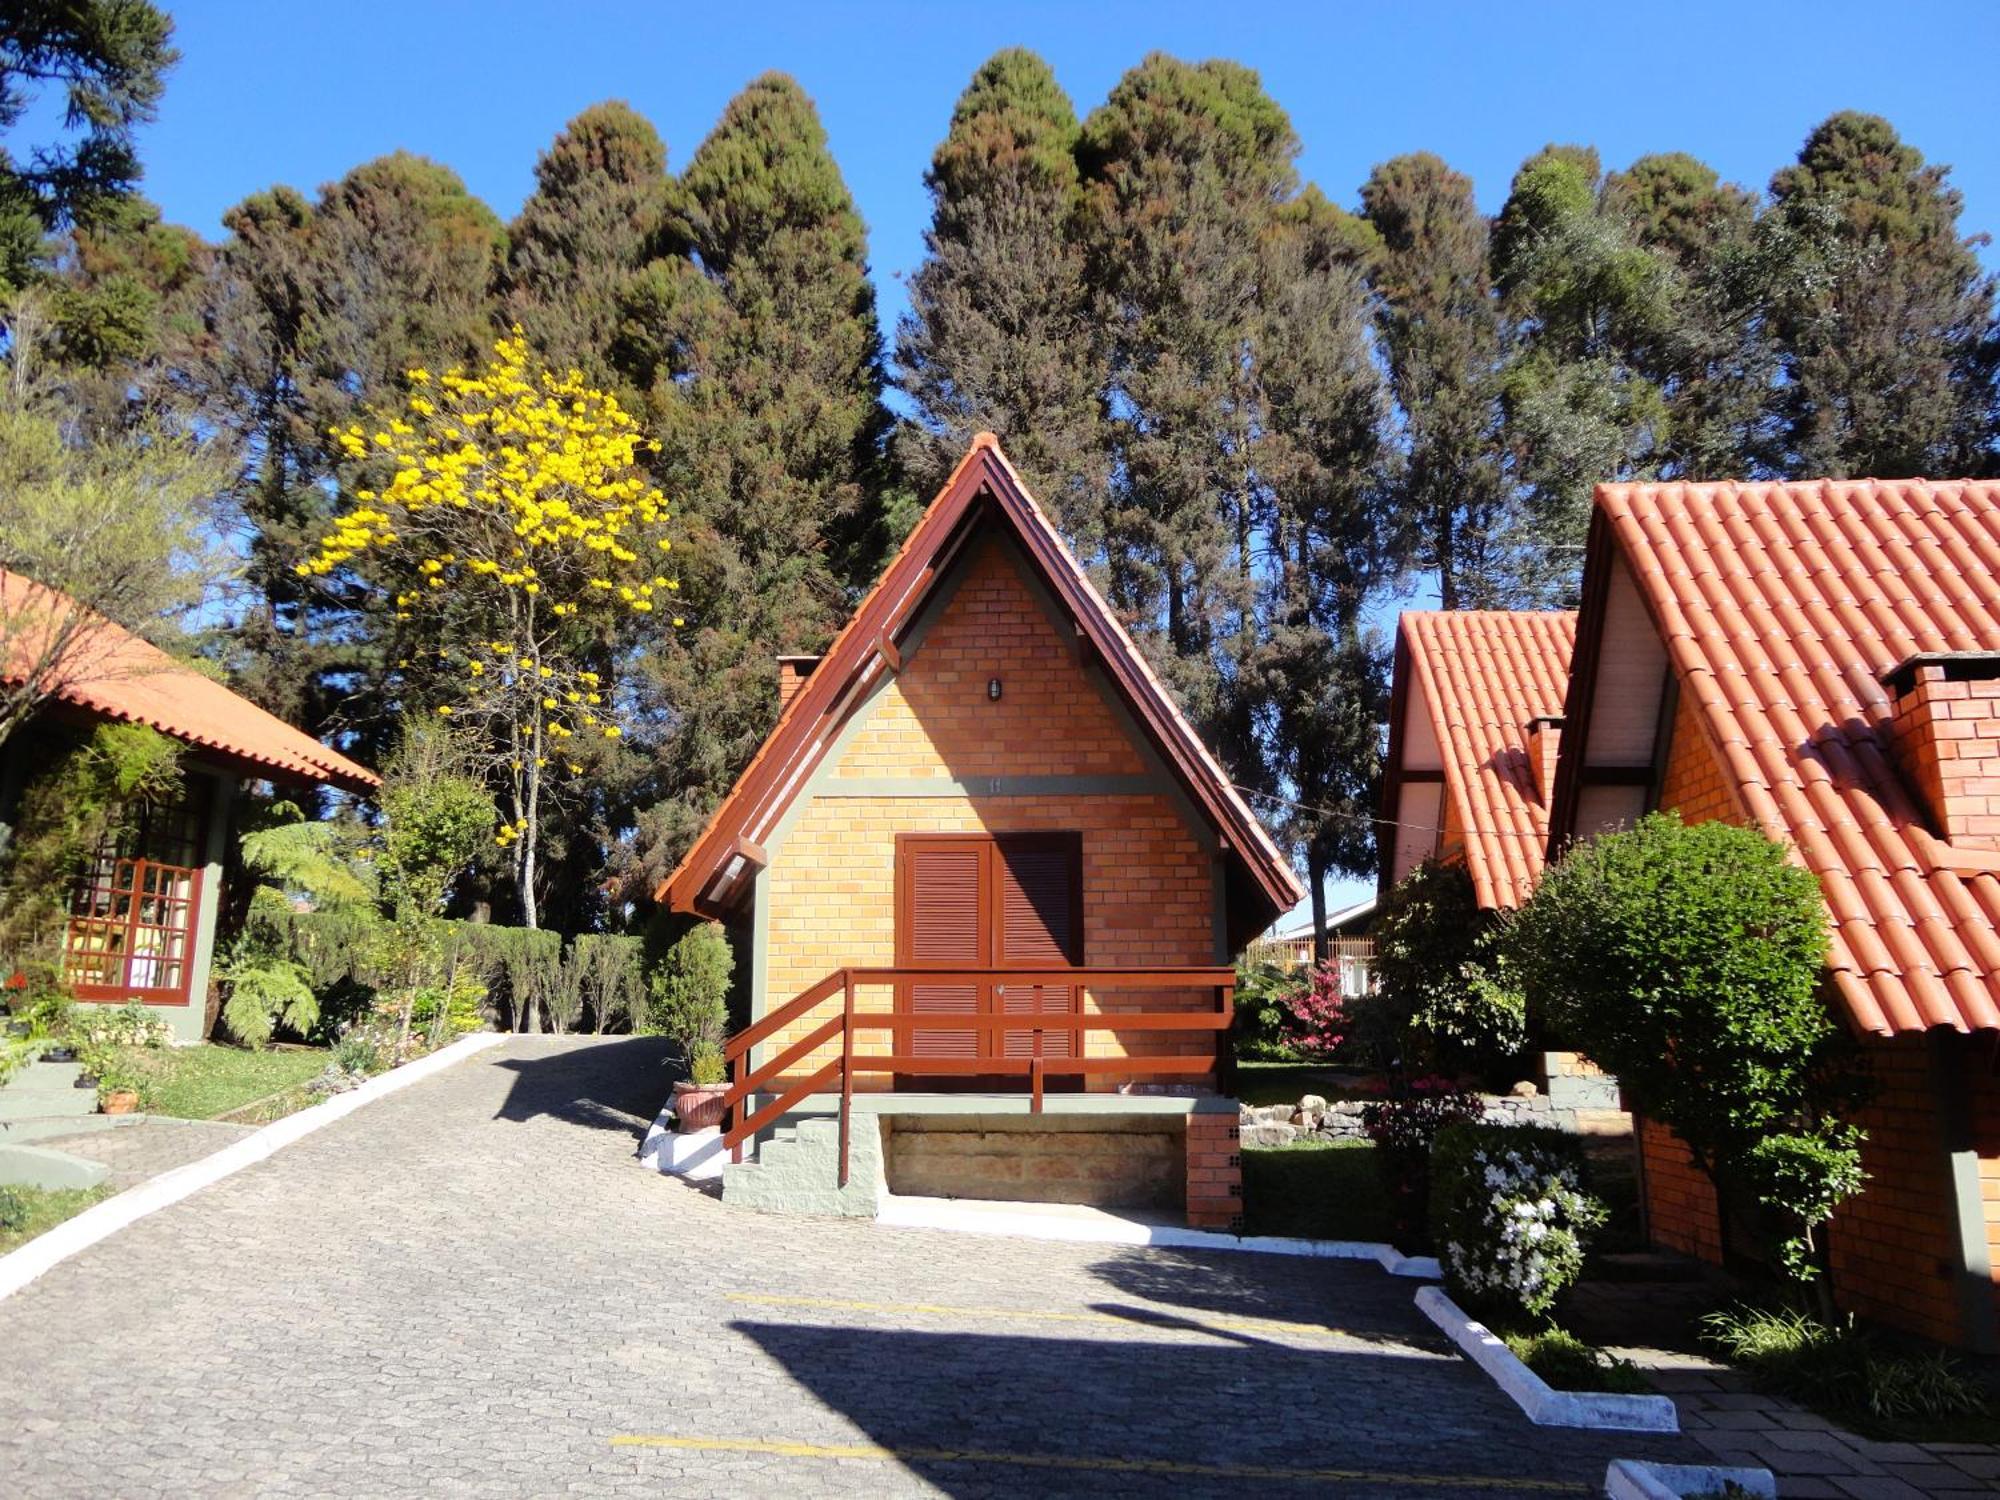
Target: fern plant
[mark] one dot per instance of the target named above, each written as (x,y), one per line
(265,992)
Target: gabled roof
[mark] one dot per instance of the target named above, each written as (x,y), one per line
(714,877)
(113,674)
(1485,674)
(1781,606)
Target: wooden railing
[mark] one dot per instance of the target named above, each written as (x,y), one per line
(775,1075)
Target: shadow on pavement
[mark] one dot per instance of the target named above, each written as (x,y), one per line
(986,1414)
(618,1084)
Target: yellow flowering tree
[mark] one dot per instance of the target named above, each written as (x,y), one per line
(508,520)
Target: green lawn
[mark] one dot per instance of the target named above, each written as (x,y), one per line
(199,1083)
(1318,1190)
(1288,1082)
(47,1207)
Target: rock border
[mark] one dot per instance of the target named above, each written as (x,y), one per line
(1545,1406)
(20,1267)
(1636,1479)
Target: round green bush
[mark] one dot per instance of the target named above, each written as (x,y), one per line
(1510,1214)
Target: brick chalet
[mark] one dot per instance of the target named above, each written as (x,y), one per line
(143,918)
(989,882)
(1821,660)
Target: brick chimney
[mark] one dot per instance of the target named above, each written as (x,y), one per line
(792,674)
(1544,743)
(1946,740)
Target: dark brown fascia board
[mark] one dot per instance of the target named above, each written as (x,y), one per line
(1598,552)
(1392,770)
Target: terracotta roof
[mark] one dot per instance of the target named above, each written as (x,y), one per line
(711,879)
(1485,674)
(113,674)
(1781,606)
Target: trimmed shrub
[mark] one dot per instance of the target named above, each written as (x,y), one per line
(1510,1214)
(689,991)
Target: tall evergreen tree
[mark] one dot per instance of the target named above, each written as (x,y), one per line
(1713,356)
(110,58)
(1887,352)
(998,337)
(1439,329)
(1580,293)
(1185,166)
(600,193)
(314,311)
(1315,685)
(753,333)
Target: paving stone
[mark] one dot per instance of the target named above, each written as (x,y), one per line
(470,1287)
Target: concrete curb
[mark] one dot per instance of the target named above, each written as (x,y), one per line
(1634,1479)
(1544,1406)
(22,1266)
(1110,1229)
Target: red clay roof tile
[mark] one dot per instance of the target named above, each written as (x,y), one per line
(1781,606)
(1485,674)
(116,675)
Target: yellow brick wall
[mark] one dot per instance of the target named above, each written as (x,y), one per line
(1148,884)
(936,719)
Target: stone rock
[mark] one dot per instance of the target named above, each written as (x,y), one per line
(1268,1134)
(1245,1115)
(1525,1089)
(1312,1104)
(1274,1114)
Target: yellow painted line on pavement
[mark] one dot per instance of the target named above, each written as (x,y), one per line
(873,1453)
(1139,1316)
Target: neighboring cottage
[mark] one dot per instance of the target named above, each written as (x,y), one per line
(1475,716)
(986,876)
(1822,661)
(143,917)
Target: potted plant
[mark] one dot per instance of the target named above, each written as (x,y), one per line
(688,1005)
(698,1097)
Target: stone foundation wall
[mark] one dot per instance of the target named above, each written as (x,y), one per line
(1314,1118)
(1128,1162)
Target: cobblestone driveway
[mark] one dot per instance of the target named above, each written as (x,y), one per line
(469,1288)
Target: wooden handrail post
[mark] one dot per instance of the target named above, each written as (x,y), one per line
(735,1114)
(846,1064)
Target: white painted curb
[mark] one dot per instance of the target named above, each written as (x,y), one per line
(1634,1479)
(1109,1229)
(22,1266)
(1544,1405)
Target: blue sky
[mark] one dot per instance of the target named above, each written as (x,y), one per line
(296,93)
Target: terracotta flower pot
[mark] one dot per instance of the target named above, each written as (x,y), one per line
(120,1102)
(698,1105)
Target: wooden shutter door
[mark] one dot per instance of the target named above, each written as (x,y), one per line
(1040,925)
(945,896)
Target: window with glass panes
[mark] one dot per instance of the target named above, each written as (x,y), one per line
(132,917)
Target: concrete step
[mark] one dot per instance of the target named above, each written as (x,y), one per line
(39,1167)
(44,1104)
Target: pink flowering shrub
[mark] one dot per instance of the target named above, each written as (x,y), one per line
(1316,1023)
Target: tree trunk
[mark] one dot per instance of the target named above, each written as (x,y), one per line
(1316,874)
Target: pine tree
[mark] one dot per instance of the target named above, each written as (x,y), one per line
(1887,357)
(110,58)
(998,337)
(1713,356)
(1185,165)
(312,313)
(753,334)
(600,193)
(1439,328)
(1580,294)
(1311,699)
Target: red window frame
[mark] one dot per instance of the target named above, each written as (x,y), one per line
(135,911)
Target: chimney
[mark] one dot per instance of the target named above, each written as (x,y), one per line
(1544,743)
(1946,740)
(792,674)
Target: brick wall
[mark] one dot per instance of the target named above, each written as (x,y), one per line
(1148,892)
(1947,741)
(1694,783)
(1214,1172)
